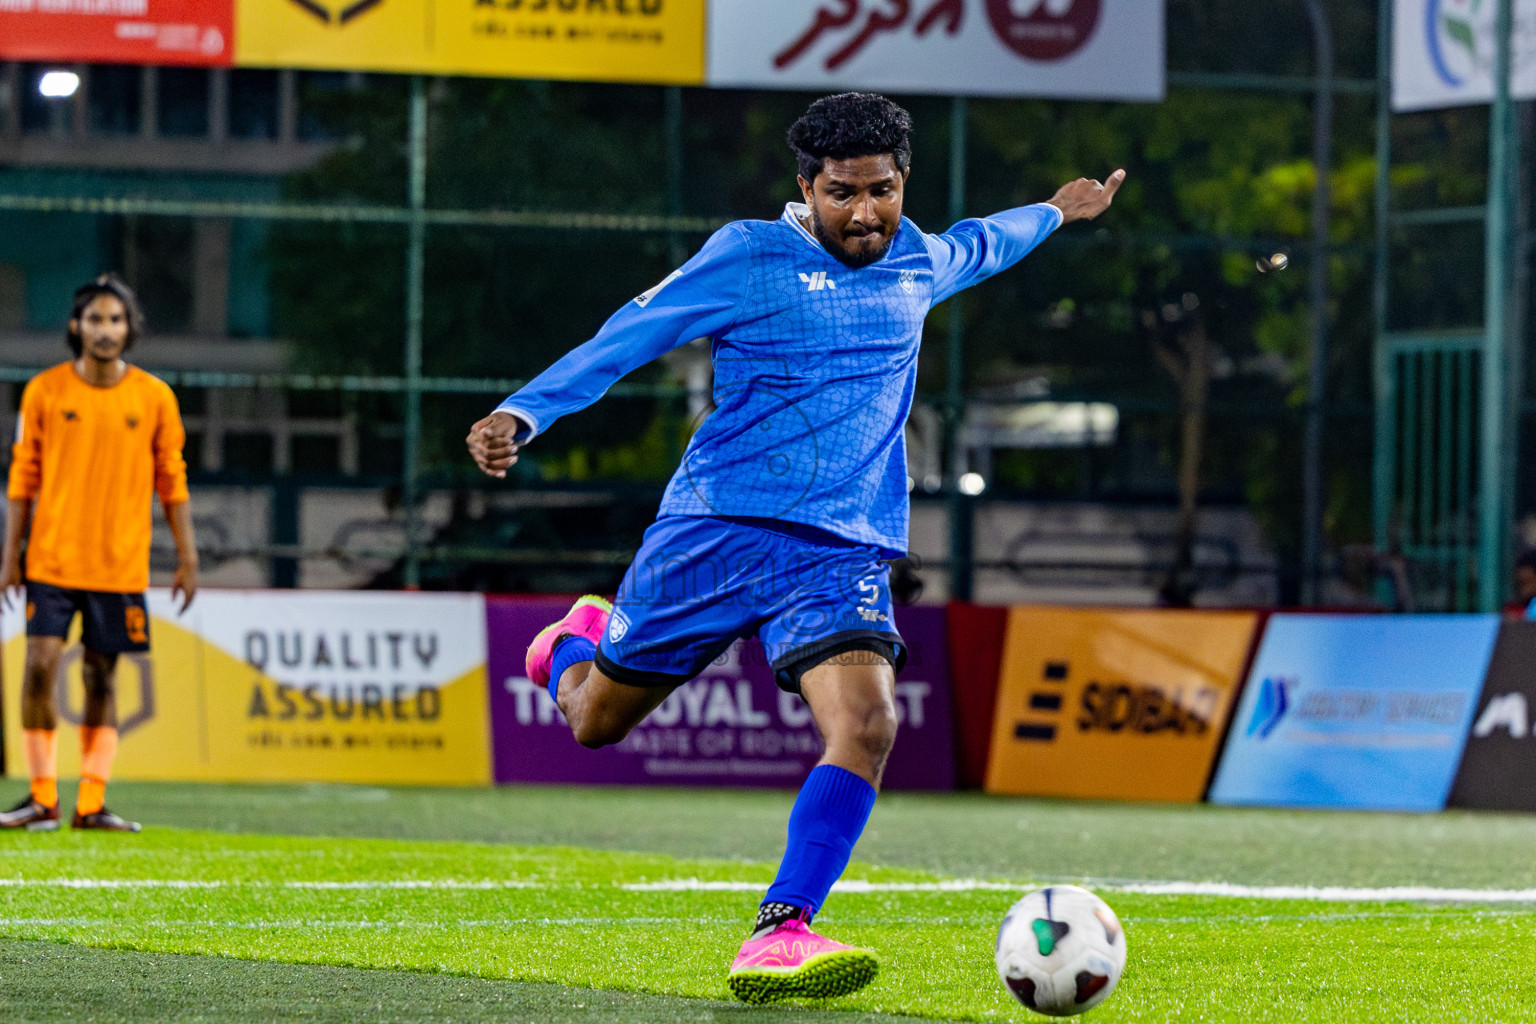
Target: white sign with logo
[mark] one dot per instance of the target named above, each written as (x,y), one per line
(1069,49)
(1443,52)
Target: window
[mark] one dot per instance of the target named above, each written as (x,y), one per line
(39,113)
(183,102)
(253,104)
(113,98)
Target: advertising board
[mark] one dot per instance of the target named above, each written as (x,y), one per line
(293,686)
(1362,712)
(1498,766)
(199,32)
(1068,49)
(1443,52)
(975,656)
(1123,705)
(659,41)
(731,726)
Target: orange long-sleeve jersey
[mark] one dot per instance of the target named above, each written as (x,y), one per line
(91,459)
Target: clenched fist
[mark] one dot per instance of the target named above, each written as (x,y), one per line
(491,445)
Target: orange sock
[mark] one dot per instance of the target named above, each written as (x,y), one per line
(92,796)
(46,791)
(98,750)
(42,748)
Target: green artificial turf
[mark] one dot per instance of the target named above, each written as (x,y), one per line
(46,982)
(564,915)
(954,834)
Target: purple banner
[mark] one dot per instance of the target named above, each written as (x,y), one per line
(731,726)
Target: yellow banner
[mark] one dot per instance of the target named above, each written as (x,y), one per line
(1122,705)
(652,41)
(272,686)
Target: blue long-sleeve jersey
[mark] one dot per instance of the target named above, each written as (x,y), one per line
(815,365)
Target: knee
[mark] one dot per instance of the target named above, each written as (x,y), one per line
(872,731)
(593,732)
(37,681)
(589,725)
(98,685)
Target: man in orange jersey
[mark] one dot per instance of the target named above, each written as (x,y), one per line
(94,438)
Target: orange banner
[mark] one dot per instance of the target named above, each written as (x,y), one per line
(1119,705)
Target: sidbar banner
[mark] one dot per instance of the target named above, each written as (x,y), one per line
(643,41)
(293,686)
(1067,49)
(1355,712)
(197,32)
(1121,705)
(1498,767)
(730,726)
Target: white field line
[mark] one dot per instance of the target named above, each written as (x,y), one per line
(852,885)
(1325,894)
(175,883)
(116,923)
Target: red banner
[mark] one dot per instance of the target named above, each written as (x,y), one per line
(975,657)
(118,31)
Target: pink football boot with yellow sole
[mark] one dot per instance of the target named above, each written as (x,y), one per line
(588,617)
(793,962)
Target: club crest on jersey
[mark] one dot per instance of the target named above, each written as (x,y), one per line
(817,281)
(71,415)
(908,281)
(133,421)
(618,625)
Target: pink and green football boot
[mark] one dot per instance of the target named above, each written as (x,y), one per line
(793,962)
(588,617)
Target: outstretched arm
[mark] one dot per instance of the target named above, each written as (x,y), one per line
(698,300)
(975,249)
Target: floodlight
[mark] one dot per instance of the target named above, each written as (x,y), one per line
(972,484)
(58,85)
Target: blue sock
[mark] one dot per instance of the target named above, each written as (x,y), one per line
(827,819)
(568,652)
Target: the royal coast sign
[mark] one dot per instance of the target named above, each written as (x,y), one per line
(1082,49)
(1124,705)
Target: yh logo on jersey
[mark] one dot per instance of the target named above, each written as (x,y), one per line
(817,281)
(908,281)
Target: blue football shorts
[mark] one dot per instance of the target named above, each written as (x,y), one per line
(699,583)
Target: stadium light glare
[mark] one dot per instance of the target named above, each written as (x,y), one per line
(972,484)
(58,85)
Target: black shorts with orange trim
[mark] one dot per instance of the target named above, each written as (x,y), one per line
(111,623)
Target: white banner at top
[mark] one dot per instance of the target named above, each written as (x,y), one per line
(1067,49)
(1443,50)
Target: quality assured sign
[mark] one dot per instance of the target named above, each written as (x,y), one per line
(295,686)
(118,31)
(1122,705)
(1071,49)
(1443,52)
(1359,712)
(603,41)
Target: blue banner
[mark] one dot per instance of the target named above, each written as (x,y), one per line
(1362,712)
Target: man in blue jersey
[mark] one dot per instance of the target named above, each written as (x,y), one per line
(792,495)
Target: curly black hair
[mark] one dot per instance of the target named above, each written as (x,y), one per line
(847,125)
(105,284)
